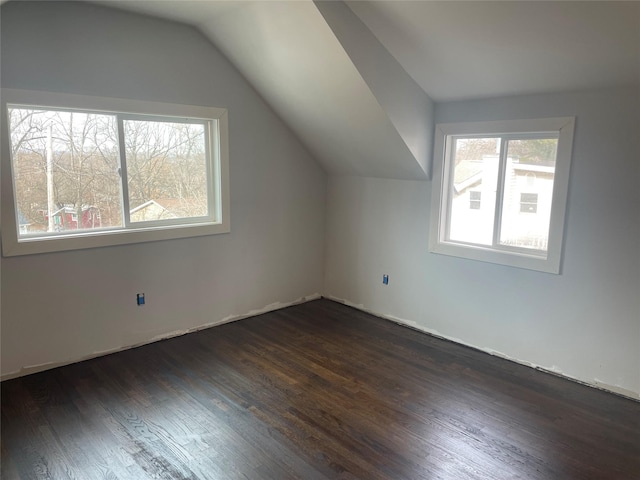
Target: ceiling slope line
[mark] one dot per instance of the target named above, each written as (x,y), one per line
(408,107)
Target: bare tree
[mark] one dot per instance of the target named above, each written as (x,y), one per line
(165,161)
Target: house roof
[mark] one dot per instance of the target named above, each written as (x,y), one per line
(172,207)
(355,80)
(71,209)
(147,204)
(467,173)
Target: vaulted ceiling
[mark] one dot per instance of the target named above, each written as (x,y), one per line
(356,80)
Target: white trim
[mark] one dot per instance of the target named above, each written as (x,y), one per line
(12,244)
(548,261)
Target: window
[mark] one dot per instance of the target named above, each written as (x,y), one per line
(82,172)
(528,203)
(475,198)
(520,171)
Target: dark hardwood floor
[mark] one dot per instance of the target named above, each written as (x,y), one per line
(315,391)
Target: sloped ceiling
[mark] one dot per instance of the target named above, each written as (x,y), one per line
(292,57)
(319,78)
(474,49)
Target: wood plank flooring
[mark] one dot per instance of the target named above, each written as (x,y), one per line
(315,391)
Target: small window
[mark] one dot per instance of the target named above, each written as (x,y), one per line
(474,200)
(531,179)
(528,203)
(500,162)
(86,168)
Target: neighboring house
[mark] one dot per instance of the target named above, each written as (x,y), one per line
(526,207)
(149,211)
(66,218)
(166,208)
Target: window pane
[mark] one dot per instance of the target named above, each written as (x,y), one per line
(528,192)
(528,203)
(65,170)
(473,189)
(166,170)
(475,199)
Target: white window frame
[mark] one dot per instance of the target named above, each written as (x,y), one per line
(544,261)
(218,175)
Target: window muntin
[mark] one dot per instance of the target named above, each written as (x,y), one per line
(64,171)
(503,161)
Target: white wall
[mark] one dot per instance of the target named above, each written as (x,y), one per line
(57,308)
(584,323)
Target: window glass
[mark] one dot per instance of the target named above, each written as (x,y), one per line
(499,191)
(65,168)
(525,169)
(166,170)
(475,200)
(83,172)
(526,204)
(475,170)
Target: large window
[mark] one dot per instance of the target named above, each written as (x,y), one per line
(500,191)
(86,171)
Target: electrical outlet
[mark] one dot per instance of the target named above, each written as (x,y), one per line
(140,299)
(385,279)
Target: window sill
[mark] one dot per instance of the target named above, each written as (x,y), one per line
(541,262)
(106,238)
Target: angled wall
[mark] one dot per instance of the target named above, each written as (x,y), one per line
(408,107)
(293,58)
(61,307)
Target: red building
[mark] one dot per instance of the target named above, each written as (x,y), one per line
(66,218)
